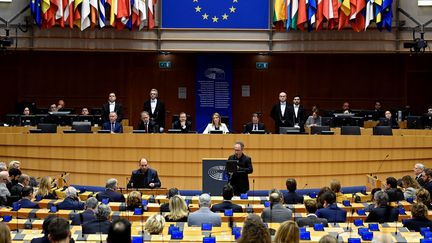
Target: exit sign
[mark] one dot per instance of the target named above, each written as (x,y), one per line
(262,65)
(165,64)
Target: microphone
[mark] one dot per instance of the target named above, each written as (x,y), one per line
(396,226)
(272,231)
(335,215)
(305,185)
(250,208)
(100,229)
(230,222)
(348,225)
(380,165)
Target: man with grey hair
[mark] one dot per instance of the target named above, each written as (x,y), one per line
(382,213)
(239,180)
(101,224)
(276,213)
(204,214)
(3,166)
(4,192)
(88,214)
(418,170)
(110,192)
(71,202)
(156,109)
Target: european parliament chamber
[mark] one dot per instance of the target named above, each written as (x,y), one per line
(215,121)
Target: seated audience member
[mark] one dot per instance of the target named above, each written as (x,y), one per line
(146,124)
(101,224)
(276,213)
(133,200)
(88,214)
(5,234)
(227,193)
(14,174)
(60,105)
(204,214)
(72,201)
(311,218)
(216,125)
(427,180)
(383,212)
(345,108)
(59,230)
(388,121)
(331,211)
(44,190)
(419,218)
(120,231)
(26,111)
(113,125)
(110,192)
(254,125)
(254,231)
(150,176)
(85,112)
(288,232)
(14,164)
(3,166)
(52,108)
(4,191)
(154,225)
(320,201)
(373,205)
(291,197)
(418,170)
(45,231)
(314,119)
(178,210)
(164,207)
(423,196)
(335,186)
(23,180)
(394,193)
(327,239)
(410,187)
(27,196)
(182,123)
(377,112)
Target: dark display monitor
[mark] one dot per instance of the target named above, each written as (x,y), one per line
(414,122)
(13,119)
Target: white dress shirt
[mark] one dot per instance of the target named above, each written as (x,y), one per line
(296,108)
(111,106)
(153,104)
(282,107)
(211,127)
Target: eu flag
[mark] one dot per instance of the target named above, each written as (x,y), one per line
(238,14)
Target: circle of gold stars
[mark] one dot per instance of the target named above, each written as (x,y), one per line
(215,18)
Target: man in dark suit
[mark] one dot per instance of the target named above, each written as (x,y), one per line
(254,125)
(382,213)
(227,193)
(388,121)
(112,106)
(296,114)
(110,192)
(113,125)
(150,176)
(394,194)
(331,211)
(156,108)
(292,197)
(88,214)
(419,218)
(377,112)
(279,112)
(418,170)
(276,213)
(59,230)
(101,224)
(23,181)
(239,180)
(27,196)
(427,179)
(71,202)
(171,193)
(311,218)
(182,123)
(146,124)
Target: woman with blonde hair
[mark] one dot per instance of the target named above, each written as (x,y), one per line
(133,200)
(44,190)
(423,196)
(5,234)
(216,125)
(288,232)
(155,224)
(410,187)
(178,210)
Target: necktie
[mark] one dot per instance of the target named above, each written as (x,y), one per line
(112,127)
(146,127)
(255,127)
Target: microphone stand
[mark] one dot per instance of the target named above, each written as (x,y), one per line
(379,167)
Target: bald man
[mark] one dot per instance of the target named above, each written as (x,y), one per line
(279,112)
(150,176)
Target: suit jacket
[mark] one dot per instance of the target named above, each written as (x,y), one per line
(388,122)
(118,108)
(152,127)
(415,224)
(300,118)
(113,196)
(159,113)
(279,214)
(395,195)
(204,215)
(164,208)
(70,204)
(419,179)
(16,190)
(310,220)
(96,226)
(221,207)
(177,125)
(240,180)
(276,115)
(82,218)
(152,177)
(118,127)
(293,198)
(426,185)
(332,213)
(26,203)
(383,214)
(249,127)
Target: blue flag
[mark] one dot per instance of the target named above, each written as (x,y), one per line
(35,7)
(239,14)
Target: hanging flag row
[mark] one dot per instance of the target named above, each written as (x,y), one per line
(313,14)
(131,14)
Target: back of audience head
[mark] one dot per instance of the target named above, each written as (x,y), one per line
(275,196)
(373,192)
(3,166)
(227,192)
(391,182)
(59,230)
(288,232)
(46,224)
(327,239)
(419,211)
(71,192)
(310,205)
(328,198)
(119,231)
(27,191)
(335,185)
(381,198)
(427,174)
(14,164)
(291,185)
(408,181)
(111,184)
(14,173)
(254,230)
(44,186)
(423,196)
(172,192)
(24,179)
(103,211)
(134,200)
(155,224)
(4,177)
(5,234)
(204,200)
(178,208)
(91,203)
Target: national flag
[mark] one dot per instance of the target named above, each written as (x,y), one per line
(94,8)
(333,14)
(129,23)
(142,12)
(345,11)
(151,13)
(288,13)
(68,13)
(369,13)
(378,9)
(357,18)
(319,15)
(312,9)
(279,11)
(101,8)
(294,14)
(302,14)
(49,17)
(35,7)
(123,10)
(85,14)
(387,15)
(77,12)
(59,13)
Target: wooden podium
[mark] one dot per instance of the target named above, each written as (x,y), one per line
(372,182)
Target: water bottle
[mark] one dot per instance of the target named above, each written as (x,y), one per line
(399,115)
